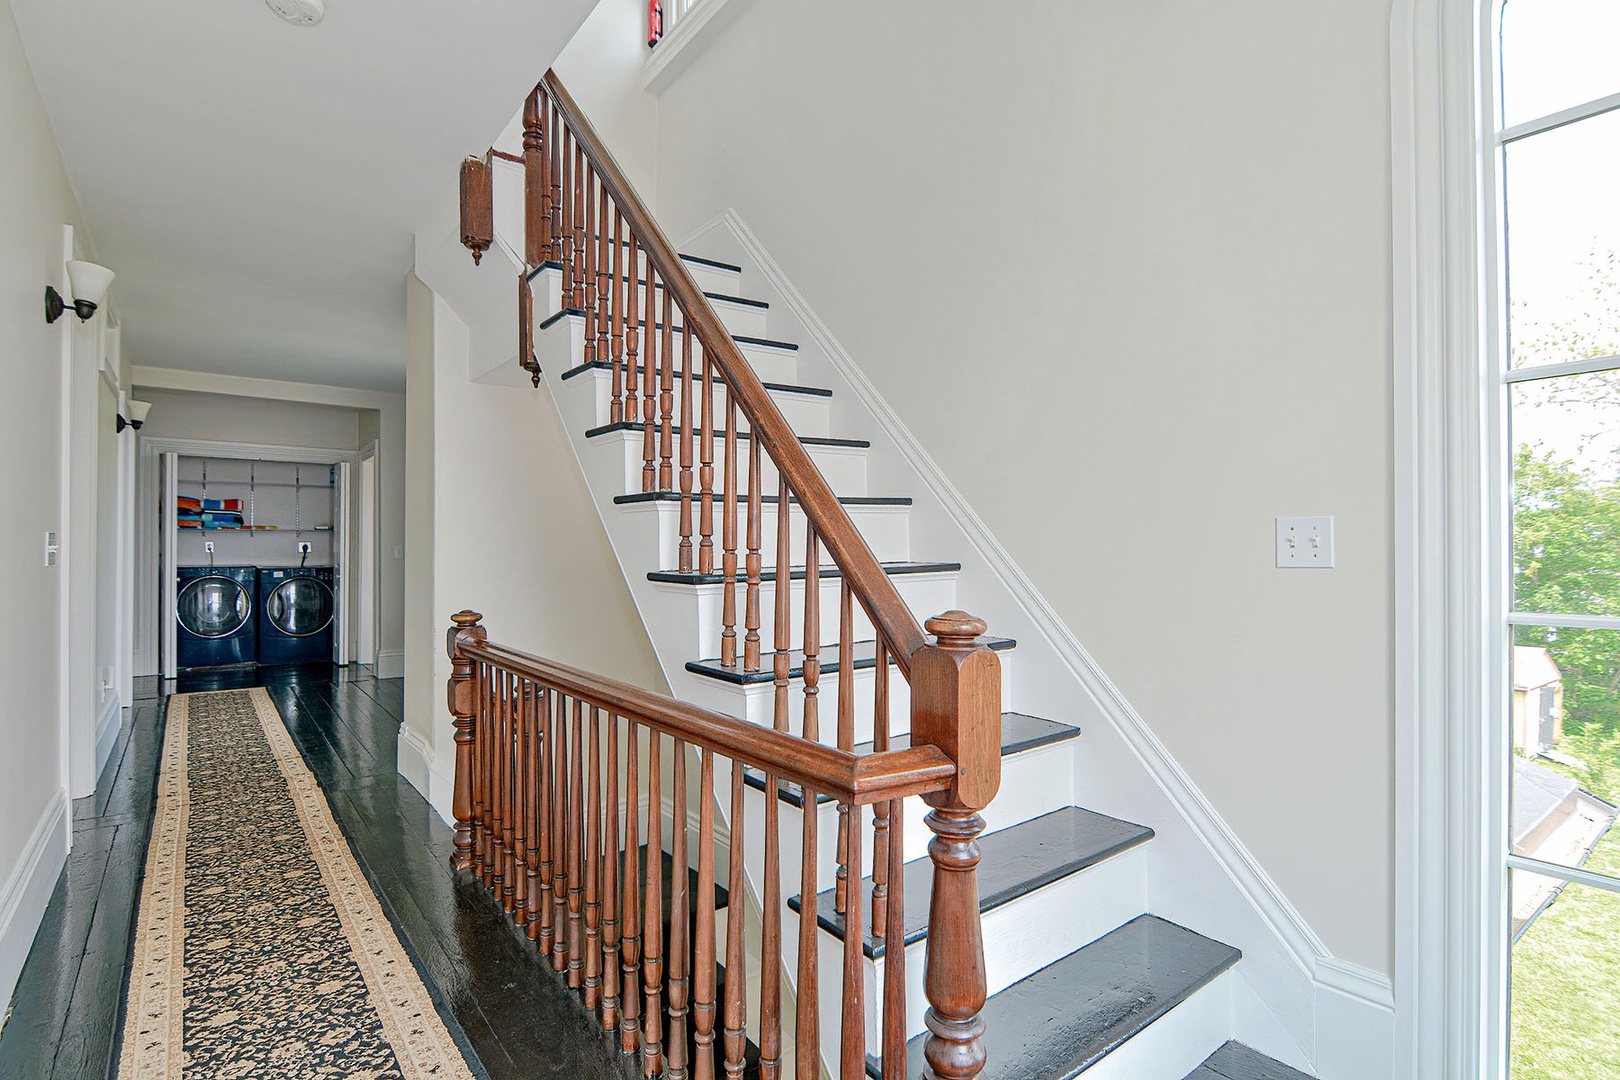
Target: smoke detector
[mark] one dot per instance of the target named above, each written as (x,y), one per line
(299,12)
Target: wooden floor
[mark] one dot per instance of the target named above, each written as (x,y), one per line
(518,1018)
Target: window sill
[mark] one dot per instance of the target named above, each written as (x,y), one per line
(692,34)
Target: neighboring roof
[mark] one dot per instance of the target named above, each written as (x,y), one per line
(1533,668)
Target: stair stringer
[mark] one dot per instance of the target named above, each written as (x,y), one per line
(1293,999)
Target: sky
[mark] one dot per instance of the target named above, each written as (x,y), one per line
(1563,197)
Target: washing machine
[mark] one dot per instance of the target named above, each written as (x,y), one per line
(215,610)
(297,609)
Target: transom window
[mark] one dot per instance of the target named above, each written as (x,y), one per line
(1558,136)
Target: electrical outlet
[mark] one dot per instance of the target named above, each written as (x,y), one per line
(208,547)
(304,547)
(1305,543)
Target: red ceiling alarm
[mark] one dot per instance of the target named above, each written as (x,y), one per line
(655,22)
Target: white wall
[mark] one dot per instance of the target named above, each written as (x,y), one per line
(1125,271)
(35,202)
(507,528)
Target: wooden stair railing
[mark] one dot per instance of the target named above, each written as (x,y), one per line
(621,276)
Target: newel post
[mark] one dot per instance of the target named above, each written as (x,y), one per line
(459,691)
(956,706)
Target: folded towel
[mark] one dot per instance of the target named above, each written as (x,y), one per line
(222,504)
(187,503)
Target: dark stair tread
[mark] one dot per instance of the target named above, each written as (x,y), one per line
(679,377)
(847,500)
(1066,1017)
(553,264)
(1234,1061)
(865,656)
(639,426)
(797,573)
(1015,861)
(667,879)
(1019,732)
(746,339)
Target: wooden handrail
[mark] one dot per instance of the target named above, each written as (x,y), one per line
(859,779)
(871,585)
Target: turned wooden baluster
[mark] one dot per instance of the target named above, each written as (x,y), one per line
(894,944)
(520,801)
(604,276)
(752,563)
(612,858)
(736,1008)
(579,177)
(880,811)
(532,703)
(956,706)
(706,472)
(536,188)
(554,156)
(846,734)
(649,390)
(782,660)
(808,1033)
(684,551)
(565,213)
(616,319)
(561,853)
(652,945)
(587,195)
(770,979)
(495,865)
(467,802)
(509,861)
(593,867)
(680,919)
(703,959)
(666,397)
(545,932)
(576,851)
(728,544)
(630,943)
(853,1023)
(632,339)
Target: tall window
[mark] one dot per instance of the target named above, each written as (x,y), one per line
(1558,135)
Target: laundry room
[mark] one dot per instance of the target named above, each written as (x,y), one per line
(265,532)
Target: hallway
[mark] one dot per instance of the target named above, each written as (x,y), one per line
(501,1000)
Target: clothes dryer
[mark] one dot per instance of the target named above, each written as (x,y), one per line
(215,611)
(297,609)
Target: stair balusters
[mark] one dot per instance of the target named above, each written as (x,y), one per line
(555,767)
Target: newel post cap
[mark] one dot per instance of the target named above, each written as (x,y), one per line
(466,618)
(955,629)
(466,626)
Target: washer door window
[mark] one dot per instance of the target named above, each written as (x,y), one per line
(213,607)
(300,606)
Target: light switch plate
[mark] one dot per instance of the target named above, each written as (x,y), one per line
(51,549)
(1305,543)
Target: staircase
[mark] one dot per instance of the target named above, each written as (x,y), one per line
(761,610)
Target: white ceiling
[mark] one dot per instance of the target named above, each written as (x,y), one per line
(256,185)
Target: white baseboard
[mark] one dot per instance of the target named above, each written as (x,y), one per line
(421,767)
(390,664)
(28,890)
(108,727)
(1353,1013)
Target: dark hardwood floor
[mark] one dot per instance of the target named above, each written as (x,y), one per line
(518,1018)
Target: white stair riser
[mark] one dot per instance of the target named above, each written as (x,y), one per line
(807,414)
(843,467)
(1020,938)
(703,607)
(746,319)
(756,702)
(885,528)
(1179,1041)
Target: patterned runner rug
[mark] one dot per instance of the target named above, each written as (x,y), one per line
(260,949)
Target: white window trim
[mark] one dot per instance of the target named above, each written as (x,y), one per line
(1450,894)
(686,40)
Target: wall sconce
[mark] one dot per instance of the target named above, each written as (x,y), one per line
(89,284)
(137,415)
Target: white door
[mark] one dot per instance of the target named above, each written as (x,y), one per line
(168,533)
(341,559)
(365,565)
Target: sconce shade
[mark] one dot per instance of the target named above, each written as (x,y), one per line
(89,280)
(137,413)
